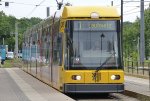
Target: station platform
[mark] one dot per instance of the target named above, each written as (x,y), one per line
(138,87)
(16,85)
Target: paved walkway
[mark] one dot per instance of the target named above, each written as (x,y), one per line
(16,85)
(137,85)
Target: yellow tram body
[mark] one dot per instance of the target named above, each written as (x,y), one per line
(55,73)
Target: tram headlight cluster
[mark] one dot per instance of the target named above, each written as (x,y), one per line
(76,77)
(115,77)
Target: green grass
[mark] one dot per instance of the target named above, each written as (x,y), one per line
(147,60)
(7,64)
(12,63)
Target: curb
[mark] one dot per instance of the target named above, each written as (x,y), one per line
(139,96)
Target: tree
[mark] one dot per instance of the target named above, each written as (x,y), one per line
(131,33)
(147,33)
(130,39)
(7,29)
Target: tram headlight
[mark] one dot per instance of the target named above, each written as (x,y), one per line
(115,77)
(76,77)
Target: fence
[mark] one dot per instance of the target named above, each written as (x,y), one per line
(135,68)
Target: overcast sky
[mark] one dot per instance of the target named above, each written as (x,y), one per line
(28,8)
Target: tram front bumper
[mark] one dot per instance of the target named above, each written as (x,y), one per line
(93,88)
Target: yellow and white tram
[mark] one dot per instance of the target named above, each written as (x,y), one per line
(78,52)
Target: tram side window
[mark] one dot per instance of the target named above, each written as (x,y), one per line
(47,55)
(42,46)
(57,50)
(69,43)
(57,46)
(33,47)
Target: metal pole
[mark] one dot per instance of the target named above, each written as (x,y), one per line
(0,2)
(138,47)
(142,39)
(121,16)
(3,41)
(149,77)
(149,74)
(112,3)
(122,29)
(48,11)
(16,39)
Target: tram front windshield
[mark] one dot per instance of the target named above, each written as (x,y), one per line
(90,43)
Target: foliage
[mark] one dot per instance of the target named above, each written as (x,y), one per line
(7,29)
(147,32)
(131,34)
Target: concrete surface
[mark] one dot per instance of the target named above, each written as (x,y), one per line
(16,85)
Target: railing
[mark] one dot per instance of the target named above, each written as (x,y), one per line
(138,69)
(134,67)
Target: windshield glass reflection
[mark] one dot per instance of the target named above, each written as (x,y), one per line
(89,48)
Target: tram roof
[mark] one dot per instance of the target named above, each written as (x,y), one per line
(85,11)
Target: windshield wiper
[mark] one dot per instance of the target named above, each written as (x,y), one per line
(101,66)
(95,74)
